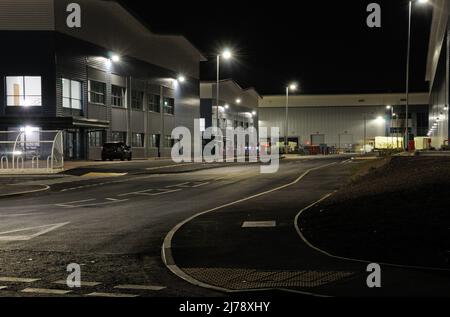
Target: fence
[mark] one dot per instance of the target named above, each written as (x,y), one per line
(31,151)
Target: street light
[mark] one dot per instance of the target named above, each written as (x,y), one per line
(115,58)
(238,101)
(181,79)
(292,87)
(407,69)
(226,54)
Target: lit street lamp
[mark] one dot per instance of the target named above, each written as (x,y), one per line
(407,70)
(226,54)
(292,87)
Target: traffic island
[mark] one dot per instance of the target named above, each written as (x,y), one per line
(10,190)
(396,213)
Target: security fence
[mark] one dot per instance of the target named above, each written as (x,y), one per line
(31,151)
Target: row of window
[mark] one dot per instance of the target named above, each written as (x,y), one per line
(224,123)
(24,91)
(97,138)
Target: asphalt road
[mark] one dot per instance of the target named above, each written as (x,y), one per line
(114,229)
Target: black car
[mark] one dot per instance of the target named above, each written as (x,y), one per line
(116,150)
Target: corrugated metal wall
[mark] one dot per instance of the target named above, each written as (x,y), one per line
(31,15)
(330,121)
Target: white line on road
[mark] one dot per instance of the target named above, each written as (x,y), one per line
(177,185)
(83,283)
(140,287)
(99,204)
(3,287)
(199,185)
(21,215)
(18,279)
(97,294)
(45,291)
(70,203)
(259,224)
(47,229)
(167,166)
(147,192)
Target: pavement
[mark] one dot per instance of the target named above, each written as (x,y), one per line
(112,220)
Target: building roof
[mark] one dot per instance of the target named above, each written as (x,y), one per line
(250,90)
(393,99)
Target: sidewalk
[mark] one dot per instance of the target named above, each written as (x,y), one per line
(20,189)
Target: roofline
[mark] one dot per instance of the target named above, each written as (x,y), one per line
(147,26)
(249,89)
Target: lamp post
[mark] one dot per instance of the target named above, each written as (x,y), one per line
(292,87)
(226,54)
(408,55)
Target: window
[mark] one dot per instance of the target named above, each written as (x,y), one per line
(154,103)
(118,96)
(97,92)
(169,142)
(71,94)
(137,140)
(23,91)
(137,100)
(119,137)
(96,138)
(154,140)
(169,105)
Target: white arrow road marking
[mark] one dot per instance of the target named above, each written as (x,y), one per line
(45,291)
(5,236)
(3,287)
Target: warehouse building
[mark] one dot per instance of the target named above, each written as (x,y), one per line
(106,77)
(345,122)
(438,74)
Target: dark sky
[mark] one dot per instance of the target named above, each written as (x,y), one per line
(326,46)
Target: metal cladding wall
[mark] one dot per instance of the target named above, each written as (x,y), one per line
(439,98)
(330,121)
(29,54)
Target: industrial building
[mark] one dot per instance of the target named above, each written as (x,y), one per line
(438,74)
(104,78)
(345,122)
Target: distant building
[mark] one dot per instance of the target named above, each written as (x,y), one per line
(111,79)
(342,121)
(438,73)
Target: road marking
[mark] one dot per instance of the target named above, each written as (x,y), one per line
(45,187)
(164,191)
(102,175)
(166,249)
(83,283)
(45,291)
(177,185)
(48,228)
(147,192)
(21,215)
(3,287)
(167,166)
(97,294)
(112,199)
(140,287)
(259,224)
(70,203)
(99,204)
(201,184)
(18,279)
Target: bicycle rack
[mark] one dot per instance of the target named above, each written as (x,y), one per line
(19,158)
(4,159)
(35,159)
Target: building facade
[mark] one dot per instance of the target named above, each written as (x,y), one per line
(438,66)
(345,122)
(108,79)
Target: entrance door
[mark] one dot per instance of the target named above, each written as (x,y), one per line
(158,143)
(71,145)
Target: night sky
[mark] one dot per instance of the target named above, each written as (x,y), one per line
(325,46)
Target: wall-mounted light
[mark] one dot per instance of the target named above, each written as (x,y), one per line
(379,120)
(227,106)
(238,100)
(115,58)
(181,79)
(254,113)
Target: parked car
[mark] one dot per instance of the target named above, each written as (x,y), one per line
(116,150)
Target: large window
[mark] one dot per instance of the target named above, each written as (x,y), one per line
(71,94)
(154,140)
(97,92)
(137,140)
(96,138)
(168,141)
(118,96)
(137,100)
(23,91)
(169,105)
(119,136)
(154,103)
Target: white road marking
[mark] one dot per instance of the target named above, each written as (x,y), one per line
(259,224)
(112,199)
(201,184)
(70,203)
(18,280)
(99,204)
(140,287)
(147,192)
(83,283)
(45,291)
(177,185)
(5,236)
(3,287)
(97,294)
(21,215)
(164,191)
(167,166)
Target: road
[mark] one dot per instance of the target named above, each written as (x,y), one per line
(113,222)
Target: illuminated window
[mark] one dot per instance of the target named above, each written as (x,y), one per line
(71,94)
(23,91)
